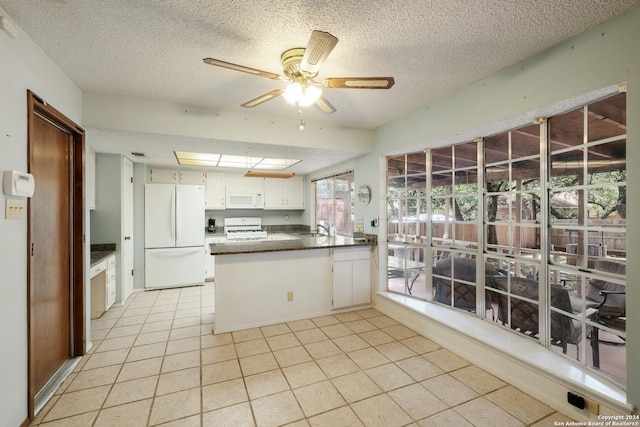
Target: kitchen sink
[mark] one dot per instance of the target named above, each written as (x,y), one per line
(312,234)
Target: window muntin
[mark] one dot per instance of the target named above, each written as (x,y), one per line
(582,290)
(406,223)
(582,200)
(454,197)
(512,192)
(335,202)
(454,229)
(588,184)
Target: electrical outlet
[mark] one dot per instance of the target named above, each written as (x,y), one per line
(584,403)
(591,406)
(289,296)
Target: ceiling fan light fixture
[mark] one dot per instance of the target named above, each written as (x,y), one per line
(293,93)
(300,66)
(310,95)
(300,94)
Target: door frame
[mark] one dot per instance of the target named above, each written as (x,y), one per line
(37,106)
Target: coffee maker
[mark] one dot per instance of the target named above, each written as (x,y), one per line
(212,225)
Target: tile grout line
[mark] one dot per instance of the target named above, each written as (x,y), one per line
(342,319)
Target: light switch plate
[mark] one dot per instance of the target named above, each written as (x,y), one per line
(14,209)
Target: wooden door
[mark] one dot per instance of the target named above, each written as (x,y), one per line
(51,239)
(56,244)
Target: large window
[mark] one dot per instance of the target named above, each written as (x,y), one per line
(407,222)
(587,219)
(335,202)
(454,225)
(525,229)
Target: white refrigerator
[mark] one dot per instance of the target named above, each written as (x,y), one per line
(173,235)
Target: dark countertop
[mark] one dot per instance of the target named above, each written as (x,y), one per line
(98,256)
(303,243)
(101,251)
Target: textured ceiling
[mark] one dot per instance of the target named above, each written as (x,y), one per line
(154,49)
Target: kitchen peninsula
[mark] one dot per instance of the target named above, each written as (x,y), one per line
(273,281)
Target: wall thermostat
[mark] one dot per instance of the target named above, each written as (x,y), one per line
(19,184)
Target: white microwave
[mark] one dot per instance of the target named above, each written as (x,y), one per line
(244,199)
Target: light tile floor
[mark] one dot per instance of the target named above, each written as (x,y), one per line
(156,362)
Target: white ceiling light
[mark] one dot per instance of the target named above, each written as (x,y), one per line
(228,161)
(302,94)
(232,161)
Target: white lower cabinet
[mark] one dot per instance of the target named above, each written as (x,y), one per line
(210,260)
(351,277)
(103,286)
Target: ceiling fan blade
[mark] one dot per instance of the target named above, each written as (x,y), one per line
(263,98)
(236,67)
(319,47)
(359,82)
(324,105)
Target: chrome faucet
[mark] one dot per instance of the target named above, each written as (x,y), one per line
(322,226)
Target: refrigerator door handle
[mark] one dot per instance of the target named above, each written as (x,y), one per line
(172,209)
(179,251)
(178,216)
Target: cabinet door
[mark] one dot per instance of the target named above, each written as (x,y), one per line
(238,181)
(164,176)
(209,260)
(361,281)
(342,284)
(351,277)
(294,193)
(191,177)
(215,190)
(273,193)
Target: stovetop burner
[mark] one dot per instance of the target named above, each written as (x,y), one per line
(244,228)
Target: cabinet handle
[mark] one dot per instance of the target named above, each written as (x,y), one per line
(127,237)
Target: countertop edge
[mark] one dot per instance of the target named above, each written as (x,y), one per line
(284,246)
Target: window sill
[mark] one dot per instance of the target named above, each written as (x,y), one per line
(460,332)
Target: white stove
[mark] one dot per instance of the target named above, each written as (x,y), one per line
(244,228)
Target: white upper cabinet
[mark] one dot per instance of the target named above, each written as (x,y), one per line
(284,193)
(191,177)
(294,193)
(277,193)
(237,181)
(214,193)
(164,176)
(273,193)
(174,176)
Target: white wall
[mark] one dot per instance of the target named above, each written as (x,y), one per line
(138,115)
(548,83)
(106,219)
(139,179)
(24,66)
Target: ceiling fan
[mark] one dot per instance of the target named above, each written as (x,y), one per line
(300,66)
